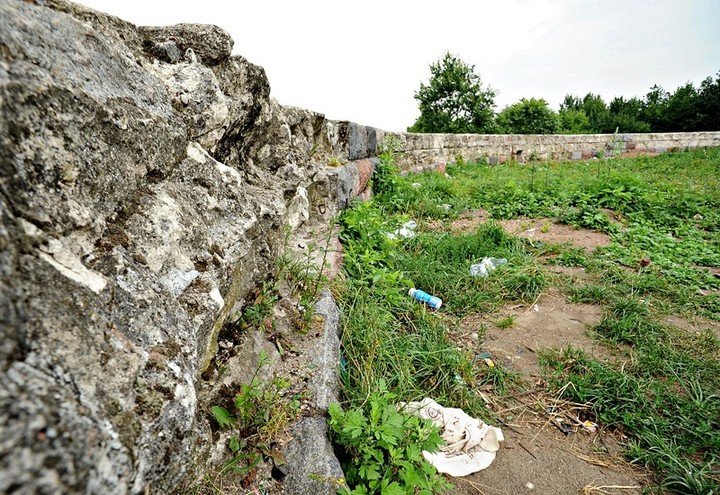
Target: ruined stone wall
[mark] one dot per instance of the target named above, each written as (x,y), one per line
(147,182)
(425,149)
(420,150)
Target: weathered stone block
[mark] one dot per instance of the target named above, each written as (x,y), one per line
(211,43)
(357,141)
(365,170)
(310,463)
(325,356)
(372,141)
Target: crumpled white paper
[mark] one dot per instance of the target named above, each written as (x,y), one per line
(407,231)
(471,444)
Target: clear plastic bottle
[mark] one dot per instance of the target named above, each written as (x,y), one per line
(424,297)
(487,265)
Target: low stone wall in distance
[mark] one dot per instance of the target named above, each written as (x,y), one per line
(420,150)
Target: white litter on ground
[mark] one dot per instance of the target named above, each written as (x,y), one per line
(487,265)
(471,444)
(407,231)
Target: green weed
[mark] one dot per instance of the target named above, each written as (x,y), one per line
(259,411)
(506,322)
(383,448)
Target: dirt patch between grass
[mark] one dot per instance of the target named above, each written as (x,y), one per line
(545,230)
(540,229)
(549,463)
(576,272)
(695,324)
(536,454)
(551,322)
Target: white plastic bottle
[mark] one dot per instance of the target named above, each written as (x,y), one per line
(424,297)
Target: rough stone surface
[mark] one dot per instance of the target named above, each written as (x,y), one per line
(196,96)
(310,461)
(422,149)
(142,198)
(325,357)
(357,141)
(210,43)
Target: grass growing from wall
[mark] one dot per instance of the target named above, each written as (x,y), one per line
(663,216)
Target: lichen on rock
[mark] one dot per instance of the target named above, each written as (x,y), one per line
(147,180)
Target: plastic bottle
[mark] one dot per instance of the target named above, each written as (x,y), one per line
(487,265)
(432,301)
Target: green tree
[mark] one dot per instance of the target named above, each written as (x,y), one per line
(454,100)
(655,108)
(627,115)
(598,113)
(682,109)
(573,119)
(709,104)
(571,102)
(574,122)
(528,116)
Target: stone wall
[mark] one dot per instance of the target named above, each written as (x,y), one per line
(425,149)
(147,184)
(419,150)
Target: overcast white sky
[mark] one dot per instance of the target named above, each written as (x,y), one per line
(362,60)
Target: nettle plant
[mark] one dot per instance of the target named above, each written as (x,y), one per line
(383,447)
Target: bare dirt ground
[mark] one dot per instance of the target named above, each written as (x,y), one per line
(551,322)
(547,448)
(540,229)
(545,230)
(545,461)
(696,324)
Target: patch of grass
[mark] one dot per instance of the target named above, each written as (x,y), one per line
(506,322)
(390,338)
(439,263)
(408,348)
(669,206)
(591,294)
(674,423)
(662,215)
(571,256)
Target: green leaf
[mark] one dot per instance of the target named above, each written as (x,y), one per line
(413,453)
(369,472)
(222,416)
(393,488)
(234,444)
(411,477)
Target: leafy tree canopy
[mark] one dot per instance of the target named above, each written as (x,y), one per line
(574,122)
(528,116)
(454,100)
